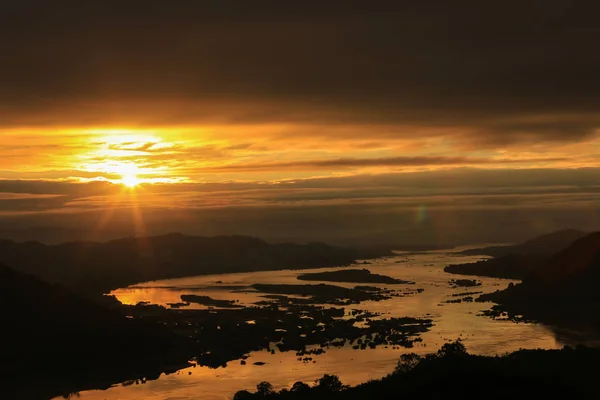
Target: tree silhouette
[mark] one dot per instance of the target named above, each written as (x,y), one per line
(452,349)
(300,387)
(264,389)
(330,383)
(242,395)
(407,362)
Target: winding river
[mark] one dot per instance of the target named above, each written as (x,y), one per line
(452,321)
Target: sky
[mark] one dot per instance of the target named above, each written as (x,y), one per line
(349,122)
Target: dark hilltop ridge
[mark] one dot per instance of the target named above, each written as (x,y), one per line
(56,342)
(453,373)
(544,245)
(517,261)
(352,276)
(578,263)
(564,291)
(94,267)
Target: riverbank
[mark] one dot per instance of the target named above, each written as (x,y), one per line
(454,373)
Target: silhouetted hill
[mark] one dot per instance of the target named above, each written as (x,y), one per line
(518,261)
(55,341)
(545,245)
(579,261)
(510,267)
(577,266)
(95,266)
(563,290)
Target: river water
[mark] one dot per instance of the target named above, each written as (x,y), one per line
(452,321)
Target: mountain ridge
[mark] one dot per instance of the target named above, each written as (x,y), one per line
(562,292)
(577,259)
(88,266)
(518,261)
(542,245)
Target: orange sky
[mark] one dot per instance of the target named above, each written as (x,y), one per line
(300,119)
(262,153)
(100,183)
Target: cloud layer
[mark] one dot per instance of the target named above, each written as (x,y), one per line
(301,119)
(497,73)
(454,206)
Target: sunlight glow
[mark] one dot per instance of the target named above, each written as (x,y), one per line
(129,174)
(125,157)
(130,180)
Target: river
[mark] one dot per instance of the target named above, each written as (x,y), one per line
(452,321)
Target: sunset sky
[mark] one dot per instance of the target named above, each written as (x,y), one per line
(338,121)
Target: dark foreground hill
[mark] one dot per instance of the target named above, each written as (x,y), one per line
(518,261)
(98,267)
(55,341)
(562,291)
(452,373)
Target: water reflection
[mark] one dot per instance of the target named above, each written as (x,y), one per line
(452,321)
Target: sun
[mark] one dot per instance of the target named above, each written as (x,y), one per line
(130,180)
(129,175)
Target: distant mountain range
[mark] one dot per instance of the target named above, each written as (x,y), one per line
(99,267)
(55,340)
(520,260)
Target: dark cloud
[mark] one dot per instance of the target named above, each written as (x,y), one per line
(348,223)
(463,188)
(331,164)
(505,71)
(447,180)
(67,188)
(450,206)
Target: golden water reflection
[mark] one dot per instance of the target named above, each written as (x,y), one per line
(452,321)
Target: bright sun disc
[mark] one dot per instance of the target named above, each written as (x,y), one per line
(130,180)
(129,175)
